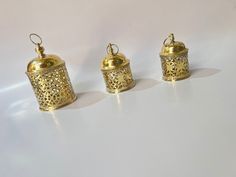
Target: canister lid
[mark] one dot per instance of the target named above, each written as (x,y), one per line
(172,47)
(113,59)
(43,62)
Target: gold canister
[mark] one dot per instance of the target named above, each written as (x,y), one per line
(116,71)
(174,60)
(49,79)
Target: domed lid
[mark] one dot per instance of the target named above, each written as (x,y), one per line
(172,47)
(113,59)
(42,62)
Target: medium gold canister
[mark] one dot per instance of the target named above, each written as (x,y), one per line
(49,79)
(116,71)
(174,60)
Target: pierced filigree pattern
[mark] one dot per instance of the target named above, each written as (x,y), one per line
(119,79)
(175,68)
(52,88)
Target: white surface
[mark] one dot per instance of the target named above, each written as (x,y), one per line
(184,129)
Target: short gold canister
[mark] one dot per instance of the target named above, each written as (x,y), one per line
(116,71)
(49,79)
(174,60)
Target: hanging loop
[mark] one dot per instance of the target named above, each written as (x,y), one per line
(110,49)
(170,39)
(35,39)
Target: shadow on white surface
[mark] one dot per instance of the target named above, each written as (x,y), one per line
(21,108)
(13,87)
(86,99)
(143,84)
(204,72)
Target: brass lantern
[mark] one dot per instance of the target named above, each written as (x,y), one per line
(116,71)
(49,79)
(174,60)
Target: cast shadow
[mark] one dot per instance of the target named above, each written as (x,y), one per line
(22,108)
(86,99)
(143,84)
(204,72)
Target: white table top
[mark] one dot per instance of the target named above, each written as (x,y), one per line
(157,129)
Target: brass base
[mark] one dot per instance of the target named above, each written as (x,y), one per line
(171,78)
(132,84)
(59,106)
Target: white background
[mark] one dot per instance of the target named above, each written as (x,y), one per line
(182,129)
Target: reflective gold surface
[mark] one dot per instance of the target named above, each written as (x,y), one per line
(116,71)
(43,64)
(174,60)
(50,80)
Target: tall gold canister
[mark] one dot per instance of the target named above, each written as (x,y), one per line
(174,60)
(49,78)
(116,71)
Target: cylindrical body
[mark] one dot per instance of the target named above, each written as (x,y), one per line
(119,79)
(116,72)
(50,82)
(174,61)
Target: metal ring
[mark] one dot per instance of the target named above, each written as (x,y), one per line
(164,43)
(117,48)
(171,38)
(35,35)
